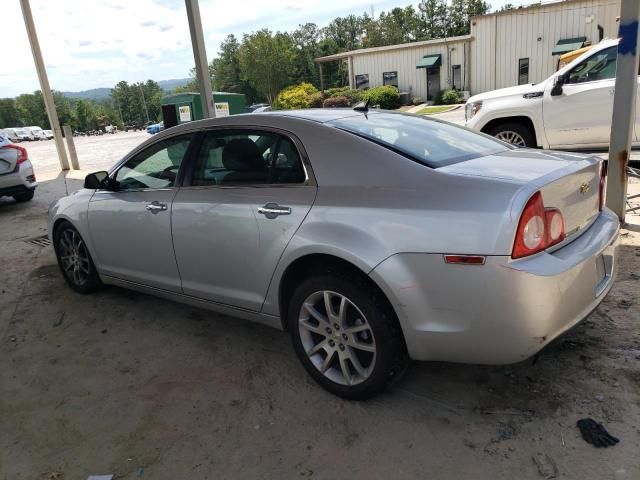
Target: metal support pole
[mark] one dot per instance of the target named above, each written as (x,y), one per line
(624,107)
(321,81)
(73,156)
(144,104)
(200,57)
(44,84)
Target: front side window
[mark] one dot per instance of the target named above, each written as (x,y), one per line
(390,78)
(362,81)
(247,158)
(154,167)
(431,142)
(523,71)
(599,66)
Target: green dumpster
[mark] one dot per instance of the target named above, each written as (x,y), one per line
(186,107)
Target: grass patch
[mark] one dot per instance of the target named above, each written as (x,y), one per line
(432,110)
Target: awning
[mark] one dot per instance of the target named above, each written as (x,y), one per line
(568,45)
(428,61)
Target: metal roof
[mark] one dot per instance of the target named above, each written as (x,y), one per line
(362,51)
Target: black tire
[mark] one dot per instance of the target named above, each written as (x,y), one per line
(524,132)
(391,357)
(23,197)
(92,282)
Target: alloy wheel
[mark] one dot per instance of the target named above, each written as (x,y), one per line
(74,257)
(337,337)
(514,138)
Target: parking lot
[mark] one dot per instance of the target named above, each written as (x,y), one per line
(128,384)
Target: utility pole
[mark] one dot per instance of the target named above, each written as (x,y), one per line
(624,107)
(44,84)
(144,104)
(200,57)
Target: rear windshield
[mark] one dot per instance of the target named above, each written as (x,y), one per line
(431,142)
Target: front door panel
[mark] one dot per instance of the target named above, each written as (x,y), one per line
(581,115)
(131,232)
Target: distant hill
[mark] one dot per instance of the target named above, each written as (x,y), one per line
(102,93)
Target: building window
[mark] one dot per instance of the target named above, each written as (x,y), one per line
(523,71)
(390,78)
(362,81)
(456,75)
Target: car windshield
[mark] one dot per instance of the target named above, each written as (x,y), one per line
(428,141)
(21,132)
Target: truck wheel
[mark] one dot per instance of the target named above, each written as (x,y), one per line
(514,133)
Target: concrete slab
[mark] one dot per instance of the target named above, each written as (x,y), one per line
(122,382)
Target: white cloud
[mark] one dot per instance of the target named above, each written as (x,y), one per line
(95,43)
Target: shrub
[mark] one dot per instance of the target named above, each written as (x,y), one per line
(437,98)
(386,97)
(354,96)
(449,97)
(296,96)
(315,100)
(334,92)
(334,102)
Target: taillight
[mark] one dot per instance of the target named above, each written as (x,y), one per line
(22,153)
(538,228)
(602,191)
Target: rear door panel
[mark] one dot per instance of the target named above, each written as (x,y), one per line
(226,250)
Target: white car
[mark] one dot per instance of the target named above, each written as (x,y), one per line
(17,178)
(572,109)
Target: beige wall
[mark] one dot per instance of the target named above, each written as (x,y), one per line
(499,41)
(404,62)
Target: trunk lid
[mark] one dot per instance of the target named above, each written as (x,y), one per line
(8,159)
(567,181)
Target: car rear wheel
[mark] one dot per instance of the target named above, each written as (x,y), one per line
(515,134)
(23,197)
(74,260)
(346,336)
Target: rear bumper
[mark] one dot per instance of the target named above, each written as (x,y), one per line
(503,311)
(20,180)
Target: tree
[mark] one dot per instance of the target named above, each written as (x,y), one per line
(8,113)
(432,15)
(85,116)
(267,60)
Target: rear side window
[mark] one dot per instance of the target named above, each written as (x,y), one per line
(428,141)
(247,158)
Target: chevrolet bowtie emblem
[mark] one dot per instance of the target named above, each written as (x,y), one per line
(584,188)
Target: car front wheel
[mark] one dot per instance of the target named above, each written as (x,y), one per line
(514,133)
(74,260)
(23,197)
(346,335)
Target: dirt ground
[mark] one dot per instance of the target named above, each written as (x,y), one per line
(123,383)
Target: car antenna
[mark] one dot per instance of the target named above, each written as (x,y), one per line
(362,106)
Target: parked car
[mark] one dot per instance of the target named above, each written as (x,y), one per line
(155,128)
(572,109)
(17,135)
(17,178)
(47,134)
(372,237)
(255,106)
(36,133)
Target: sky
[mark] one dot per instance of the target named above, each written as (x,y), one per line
(96,43)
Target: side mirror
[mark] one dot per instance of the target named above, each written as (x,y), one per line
(96,180)
(557,85)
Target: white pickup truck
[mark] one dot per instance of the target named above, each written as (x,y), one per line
(570,110)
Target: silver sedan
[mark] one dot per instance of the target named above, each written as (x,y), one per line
(372,237)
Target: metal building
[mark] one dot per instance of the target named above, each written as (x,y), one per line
(507,48)
(420,68)
(523,45)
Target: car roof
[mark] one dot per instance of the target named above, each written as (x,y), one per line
(320,115)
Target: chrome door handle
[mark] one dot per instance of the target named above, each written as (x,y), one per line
(155,207)
(272,210)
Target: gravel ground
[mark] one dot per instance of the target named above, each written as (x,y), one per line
(124,383)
